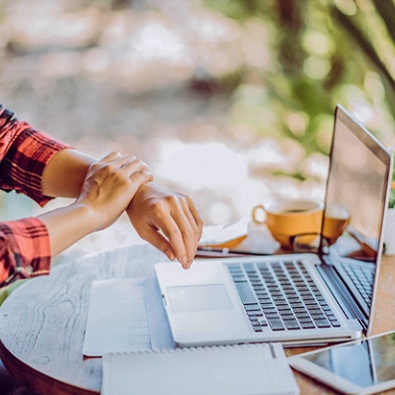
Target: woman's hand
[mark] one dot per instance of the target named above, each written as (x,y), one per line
(106,191)
(110,185)
(168,220)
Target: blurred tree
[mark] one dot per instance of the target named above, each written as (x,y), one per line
(370,41)
(324,52)
(290,17)
(120,4)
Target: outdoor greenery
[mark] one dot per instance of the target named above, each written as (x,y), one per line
(323,52)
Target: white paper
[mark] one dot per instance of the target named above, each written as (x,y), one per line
(117,318)
(222,233)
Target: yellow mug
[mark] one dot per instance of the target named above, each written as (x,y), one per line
(287,219)
(336,221)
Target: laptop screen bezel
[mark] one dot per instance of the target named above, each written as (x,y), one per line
(386,157)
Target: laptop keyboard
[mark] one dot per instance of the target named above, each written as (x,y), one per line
(282,296)
(363,278)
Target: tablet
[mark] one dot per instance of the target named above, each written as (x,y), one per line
(363,367)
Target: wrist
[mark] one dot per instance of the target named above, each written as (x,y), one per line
(88,217)
(66,225)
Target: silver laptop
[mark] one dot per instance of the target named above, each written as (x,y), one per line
(301,298)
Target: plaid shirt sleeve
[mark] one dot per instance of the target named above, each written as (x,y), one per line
(24,152)
(24,250)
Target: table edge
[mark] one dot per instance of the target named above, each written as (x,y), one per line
(46,385)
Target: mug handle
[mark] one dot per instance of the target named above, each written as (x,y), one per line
(253,214)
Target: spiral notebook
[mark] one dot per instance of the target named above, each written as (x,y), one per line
(241,369)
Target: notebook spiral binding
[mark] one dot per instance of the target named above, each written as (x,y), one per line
(201,349)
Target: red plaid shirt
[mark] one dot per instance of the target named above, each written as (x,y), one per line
(24,152)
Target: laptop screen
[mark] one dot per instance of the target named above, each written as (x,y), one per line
(356,193)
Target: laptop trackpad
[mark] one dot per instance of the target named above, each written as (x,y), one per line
(199,298)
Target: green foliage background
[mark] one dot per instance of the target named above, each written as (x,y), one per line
(325,52)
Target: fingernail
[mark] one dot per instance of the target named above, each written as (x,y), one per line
(170,255)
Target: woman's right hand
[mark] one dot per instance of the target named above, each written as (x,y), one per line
(110,185)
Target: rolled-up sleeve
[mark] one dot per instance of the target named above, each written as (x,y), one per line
(24,250)
(24,153)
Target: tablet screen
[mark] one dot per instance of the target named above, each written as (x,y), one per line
(364,363)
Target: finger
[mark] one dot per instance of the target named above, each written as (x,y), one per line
(127,161)
(193,216)
(110,157)
(188,230)
(196,216)
(107,159)
(162,219)
(124,160)
(112,162)
(133,165)
(191,234)
(140,177)
(153,237)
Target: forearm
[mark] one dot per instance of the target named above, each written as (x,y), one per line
(65,173)
(67,225)
(105,192)
(26,246)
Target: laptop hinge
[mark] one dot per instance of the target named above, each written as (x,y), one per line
(341,293)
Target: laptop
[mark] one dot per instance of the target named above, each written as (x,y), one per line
(298,299)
